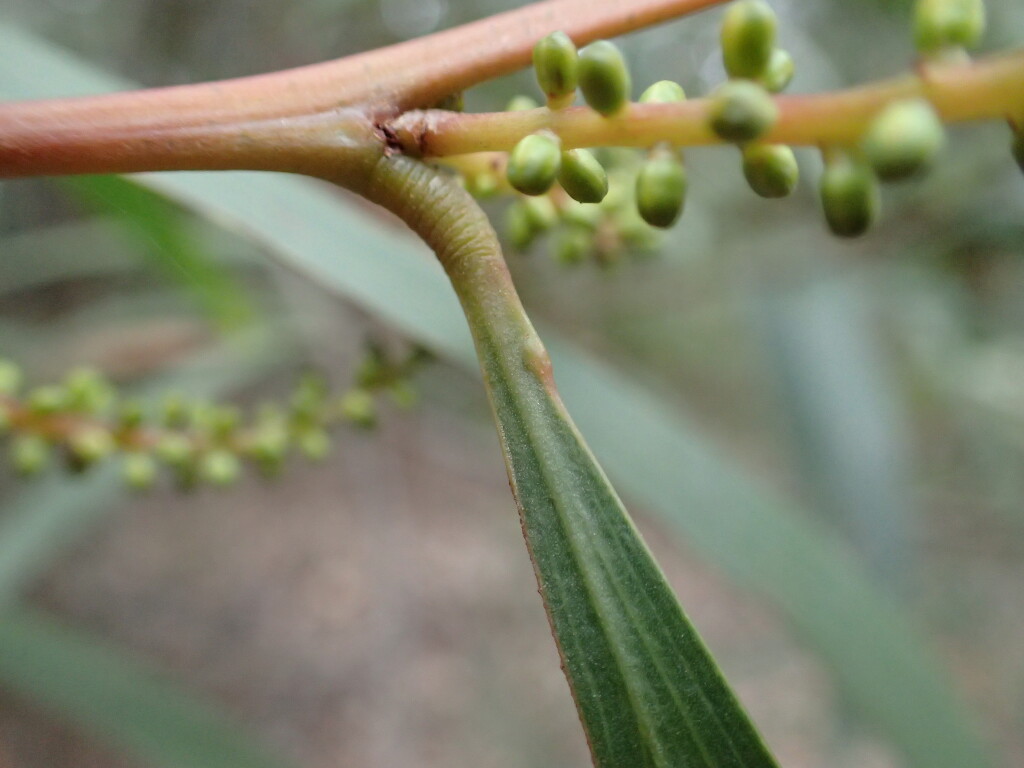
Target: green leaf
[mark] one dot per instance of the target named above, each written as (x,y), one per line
(162,234)
(881,662)
(648,692)
(884,667)
(46,255)
(81,678)
(95,248)
(819,346)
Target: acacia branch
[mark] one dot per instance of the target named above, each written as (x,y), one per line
(991,88)
(247,123)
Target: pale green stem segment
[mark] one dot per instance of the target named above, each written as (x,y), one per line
(647,690)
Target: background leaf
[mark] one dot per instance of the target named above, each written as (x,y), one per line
(163,235)
(85,680)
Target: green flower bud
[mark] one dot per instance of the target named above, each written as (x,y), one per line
(849,195)
(779,73)
(307,401)
(770,169)
(139,471)
(521,104)
(661,190)
(663,92)
(201,416)
(1018,147)
(29,454)
(310,393)
(88,391)
(403,394)
(571,246)
(604,77)
(581,215)
(269,412)
(315,444)
(10,377)
(175,411)
(373,368)
(89,445)
(541,211)
(533,164)
(742,111)
(174,450)
(268,447)
(482,185)
(582,177)
(47,399)
(130,414)
(519,226)
(942,24)
(357,407)
(556,63)
(748,37)
(904,139)
(219,467)
(224,421)
(635,232)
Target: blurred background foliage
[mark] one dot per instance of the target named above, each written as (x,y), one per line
(381,610)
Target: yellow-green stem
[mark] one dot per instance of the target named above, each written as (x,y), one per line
(991,88)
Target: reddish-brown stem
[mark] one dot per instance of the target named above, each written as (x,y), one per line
(242,123)
(314,145)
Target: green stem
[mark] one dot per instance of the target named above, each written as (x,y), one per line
(647,690)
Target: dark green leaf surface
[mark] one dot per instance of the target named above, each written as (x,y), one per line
(648,692)
(76,676)
(882,664)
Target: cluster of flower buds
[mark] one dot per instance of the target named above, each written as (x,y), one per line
(600,231)
(570,193)
(742,109)
(84,421)
(948,27)
(593,214)
(906,136)
(901,142)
